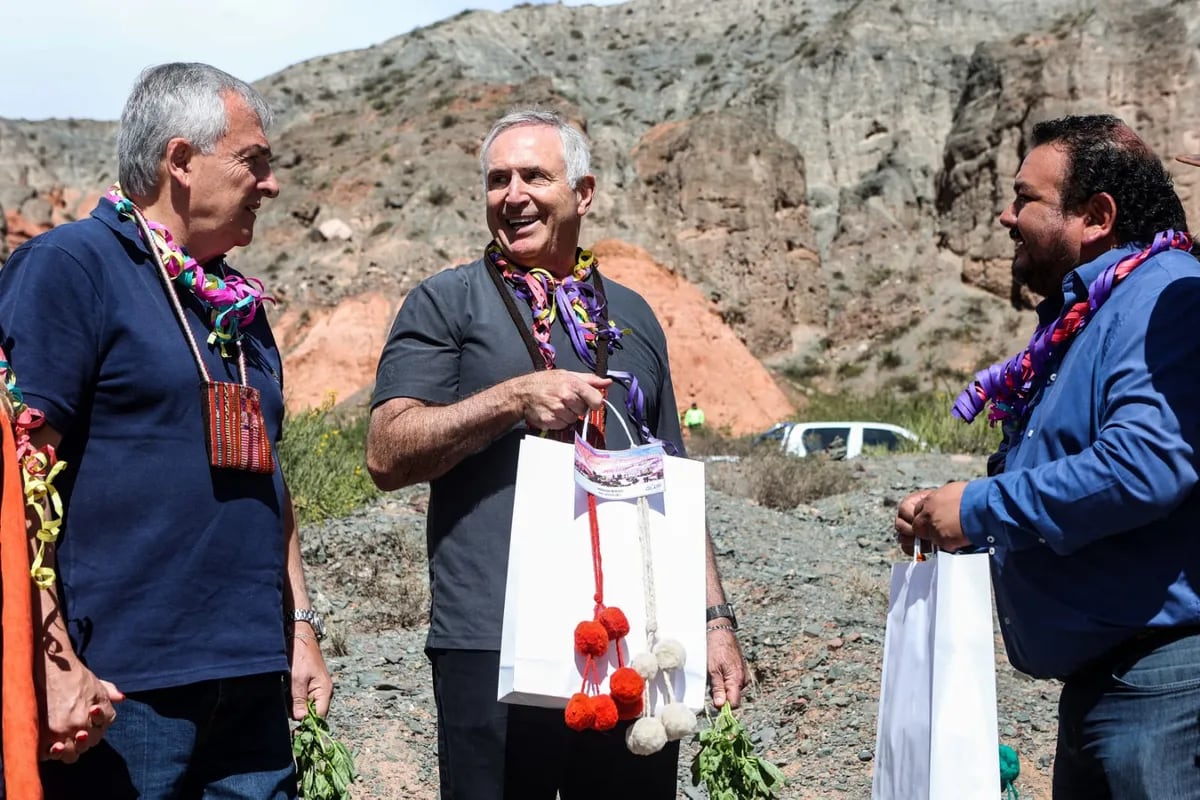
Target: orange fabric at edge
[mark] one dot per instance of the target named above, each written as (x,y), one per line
(19,708)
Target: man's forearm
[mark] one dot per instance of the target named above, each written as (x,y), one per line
(295,590)
(410,442)
(51,641)
(713,591)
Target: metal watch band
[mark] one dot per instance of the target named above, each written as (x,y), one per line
(722,611)
(312,618)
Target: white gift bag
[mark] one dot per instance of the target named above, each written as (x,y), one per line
(937,733)
(550,584)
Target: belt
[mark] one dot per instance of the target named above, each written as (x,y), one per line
(1139,644)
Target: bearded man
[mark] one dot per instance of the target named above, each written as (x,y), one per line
(1090,508)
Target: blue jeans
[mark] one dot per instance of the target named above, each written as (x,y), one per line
(1129,725)
(227,739)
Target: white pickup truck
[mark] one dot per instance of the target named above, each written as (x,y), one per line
(805,438)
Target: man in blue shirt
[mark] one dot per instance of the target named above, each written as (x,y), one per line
(178,620)
(1089,508)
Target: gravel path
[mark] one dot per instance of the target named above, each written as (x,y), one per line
(811,591)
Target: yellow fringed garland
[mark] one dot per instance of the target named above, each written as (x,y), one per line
(39,467)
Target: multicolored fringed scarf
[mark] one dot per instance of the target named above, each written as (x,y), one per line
(232,301)
(584,317)
(584,312)
(1008,386)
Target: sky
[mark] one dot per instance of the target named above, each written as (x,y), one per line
(79,58)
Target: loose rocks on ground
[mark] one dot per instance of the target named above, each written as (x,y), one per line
(811,590)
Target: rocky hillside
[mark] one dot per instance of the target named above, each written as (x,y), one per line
(826,174)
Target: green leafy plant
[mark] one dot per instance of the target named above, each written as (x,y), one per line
(322,458)
(326,767)
(727,765)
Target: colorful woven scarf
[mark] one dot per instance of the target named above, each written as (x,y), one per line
(232,301)
(1009,385)
(585,321)
(584,318)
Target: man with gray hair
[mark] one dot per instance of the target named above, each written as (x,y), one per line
(474,361)
(172,607)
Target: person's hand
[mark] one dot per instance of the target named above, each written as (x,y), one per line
(937,518)
(309,675)
(727,672)
(555,398)
(906,512)
(77,710)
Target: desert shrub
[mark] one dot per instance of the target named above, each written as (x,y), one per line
(322,459)
(932,422)
(783,482)
(765,474)
(890,359)
(708,441)
(440,196)
(850,369)
(808,367)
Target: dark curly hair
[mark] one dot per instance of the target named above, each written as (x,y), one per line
(1105,155)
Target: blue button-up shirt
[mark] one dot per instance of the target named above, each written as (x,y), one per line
(1094,524)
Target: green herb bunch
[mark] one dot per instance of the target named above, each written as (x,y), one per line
(326,767)
(727,765)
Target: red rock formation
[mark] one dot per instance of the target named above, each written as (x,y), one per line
(336,350)
(709,364)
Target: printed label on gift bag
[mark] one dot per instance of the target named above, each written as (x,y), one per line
(619,474)
(235,432)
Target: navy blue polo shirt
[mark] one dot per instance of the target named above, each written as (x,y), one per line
(169,571)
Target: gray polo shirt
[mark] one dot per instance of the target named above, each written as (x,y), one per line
(452,338)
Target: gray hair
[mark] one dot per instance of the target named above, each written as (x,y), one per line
(178,100)
(576,154)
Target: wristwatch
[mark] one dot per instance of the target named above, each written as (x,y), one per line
(312,618)
(722,611)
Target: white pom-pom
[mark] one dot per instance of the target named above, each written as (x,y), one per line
(646,736)
(646,665)
(670,654)
(678,720)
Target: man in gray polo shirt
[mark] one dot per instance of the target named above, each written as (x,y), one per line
(469,368)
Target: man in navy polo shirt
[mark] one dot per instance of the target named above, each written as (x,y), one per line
(165,653)
(1090,508)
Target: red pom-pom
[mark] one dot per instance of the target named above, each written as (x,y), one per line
(579,714)
(626,685)
(629,710)
(614,621)
(590,638)
(606,713)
